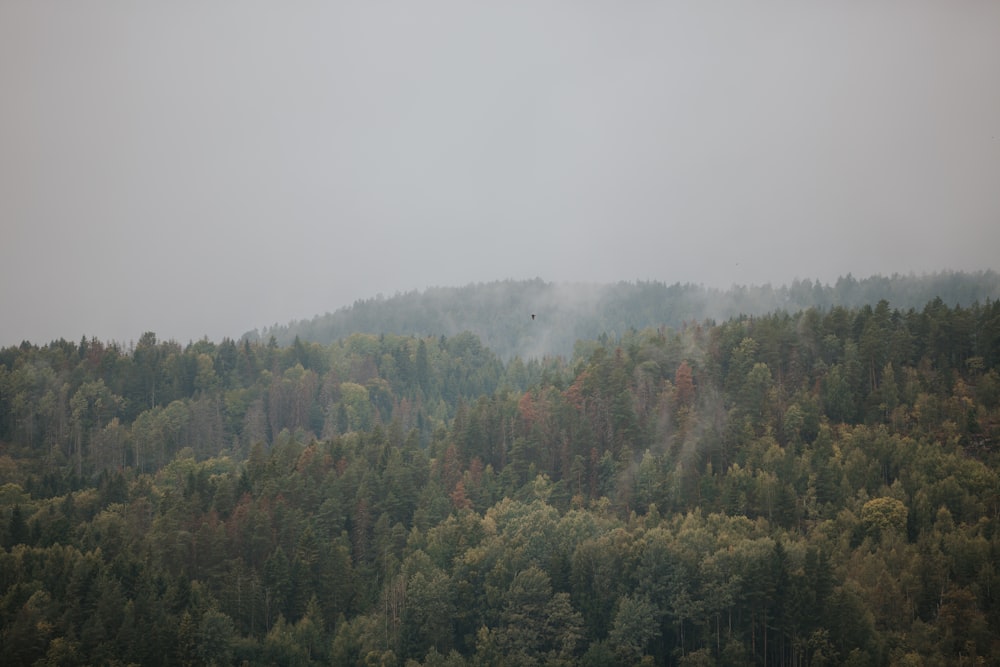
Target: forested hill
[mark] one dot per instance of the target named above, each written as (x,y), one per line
(809,488)
(500,312)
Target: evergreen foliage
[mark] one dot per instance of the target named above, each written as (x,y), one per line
(817,487)
(533,318)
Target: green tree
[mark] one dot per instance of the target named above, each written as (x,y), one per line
(635,625)
(523,620)
(214,638)
(884,516)
(427,615)
(92,406)
(147,358)
(17,528)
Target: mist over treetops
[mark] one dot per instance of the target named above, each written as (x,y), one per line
(500,313)
(799,486)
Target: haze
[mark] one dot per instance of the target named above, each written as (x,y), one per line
(201,169)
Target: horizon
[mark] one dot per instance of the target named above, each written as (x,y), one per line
(268,329)
(201,170)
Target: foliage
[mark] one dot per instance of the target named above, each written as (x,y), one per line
(500,313)
(809,488)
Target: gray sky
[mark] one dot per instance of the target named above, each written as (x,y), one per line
(205,168)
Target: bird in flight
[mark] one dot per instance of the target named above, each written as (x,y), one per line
(532,316)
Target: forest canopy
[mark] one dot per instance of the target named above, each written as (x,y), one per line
(498,312)
(810,487)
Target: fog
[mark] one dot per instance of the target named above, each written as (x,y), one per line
(201,169)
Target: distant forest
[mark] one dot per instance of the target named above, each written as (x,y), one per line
(500,312)
(814,486)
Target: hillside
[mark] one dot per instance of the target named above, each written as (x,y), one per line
(500,312)
(817,487)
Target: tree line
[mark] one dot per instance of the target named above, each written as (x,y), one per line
(804,488)
(498,312)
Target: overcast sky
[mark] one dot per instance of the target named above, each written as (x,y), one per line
(205,168)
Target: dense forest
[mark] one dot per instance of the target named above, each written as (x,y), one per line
(814,487)
(497,312)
